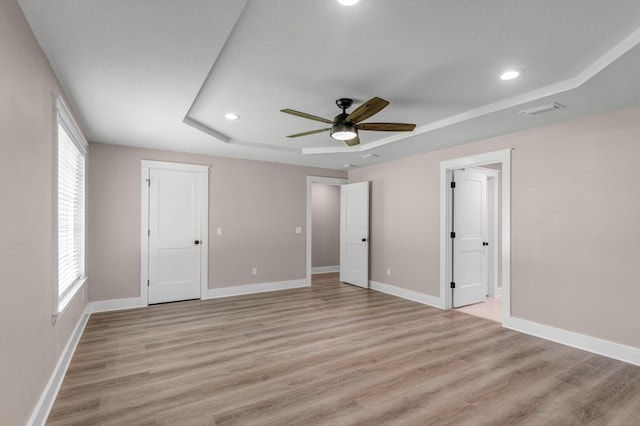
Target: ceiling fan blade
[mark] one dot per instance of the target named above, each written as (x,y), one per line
(297,135)
(353,142)
(387,127)
(367,109)
(305,115)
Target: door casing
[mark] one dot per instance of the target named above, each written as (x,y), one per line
(203,172)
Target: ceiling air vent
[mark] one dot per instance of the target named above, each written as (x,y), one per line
(541,109)
(368,155)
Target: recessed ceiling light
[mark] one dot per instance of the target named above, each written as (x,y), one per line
(348,2)
(347,166)
(231,116)
(510,75)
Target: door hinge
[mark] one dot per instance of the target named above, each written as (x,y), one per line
(453,285)
(148,182)
(147,283)
(453,184)
(148,232)
(453,234)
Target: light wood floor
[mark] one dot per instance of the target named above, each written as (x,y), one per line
(332,354)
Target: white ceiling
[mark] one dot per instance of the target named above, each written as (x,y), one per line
(161,73)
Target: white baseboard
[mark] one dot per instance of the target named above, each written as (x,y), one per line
(136,302)
(598,346)
(325,269)
(214,293)
(425,299)
(116,305)
(48,397)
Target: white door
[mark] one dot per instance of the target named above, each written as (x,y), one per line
(470,225)
(175,235)
(354,234)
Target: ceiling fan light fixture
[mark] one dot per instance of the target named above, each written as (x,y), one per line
(343,131)
(348,2)
(345,126)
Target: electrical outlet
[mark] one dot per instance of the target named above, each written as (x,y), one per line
(388,272)
(254,271)
(219,232)
(299,230)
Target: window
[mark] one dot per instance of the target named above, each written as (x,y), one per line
(69,195)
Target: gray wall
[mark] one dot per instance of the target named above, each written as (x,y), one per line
(325,220)
(258,205)
(574,232)
(30,344)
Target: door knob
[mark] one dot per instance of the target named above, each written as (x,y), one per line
(484,243)
(364,240)
(196,242)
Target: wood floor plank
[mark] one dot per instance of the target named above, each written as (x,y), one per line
(331,354)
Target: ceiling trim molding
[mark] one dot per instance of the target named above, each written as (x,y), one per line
(206,129)
(609,57)
(225,139)
(261,145)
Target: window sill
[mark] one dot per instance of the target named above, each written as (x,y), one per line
(66,300)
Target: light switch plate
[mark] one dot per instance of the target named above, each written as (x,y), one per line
(219,232)
(298,230)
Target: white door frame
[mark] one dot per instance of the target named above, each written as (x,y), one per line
(310,181)
(146,165)
(504,158)
(493,195)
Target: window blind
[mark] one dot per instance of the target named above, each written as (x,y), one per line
(71,215)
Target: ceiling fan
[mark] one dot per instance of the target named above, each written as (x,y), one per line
(345,126)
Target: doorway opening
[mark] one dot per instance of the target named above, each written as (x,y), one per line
(490,307)
(497,236)
(321,257)
(325,228)
(354,229)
